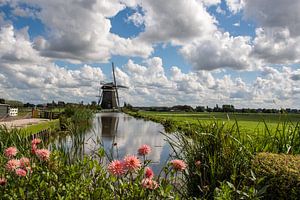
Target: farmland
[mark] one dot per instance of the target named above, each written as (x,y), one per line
(246,121)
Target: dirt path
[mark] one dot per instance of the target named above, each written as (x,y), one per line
(19,123)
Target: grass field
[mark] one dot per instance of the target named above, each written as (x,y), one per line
(29,130)
(247,121)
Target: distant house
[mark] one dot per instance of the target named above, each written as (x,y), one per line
(13,112)
(4,109)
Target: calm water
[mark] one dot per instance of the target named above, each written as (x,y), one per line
(119,134)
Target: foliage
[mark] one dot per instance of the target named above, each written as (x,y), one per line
(284,139)
(84,179)
(281,174)
(223,162)
(226,152)
(75,115)
(220,153)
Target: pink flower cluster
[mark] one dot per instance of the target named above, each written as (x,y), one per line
(120,167)
(42,154)
(20,167)
(148,181)
(149,173)
(144,150)
(149,184)
(11,152)
(116,168)
(131,163)
(178,165)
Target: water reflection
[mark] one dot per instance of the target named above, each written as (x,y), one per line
(119,134)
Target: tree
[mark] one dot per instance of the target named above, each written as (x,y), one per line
(200,109)
(228,108)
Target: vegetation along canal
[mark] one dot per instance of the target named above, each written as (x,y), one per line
(119,134)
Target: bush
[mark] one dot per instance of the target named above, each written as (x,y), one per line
(281,174)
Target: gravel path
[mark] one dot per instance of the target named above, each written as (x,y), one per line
(19,123)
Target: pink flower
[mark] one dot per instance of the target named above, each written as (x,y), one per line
(24,162)
(33,148)
(36,141)
(11,152)
(178,165)
(43,154)
(198,163)
(144,150)
(13,164)
(149,173)
(21,172)
(149,184)
(116,168)
(3,181)
(132,163)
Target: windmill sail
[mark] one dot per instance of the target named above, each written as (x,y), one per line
(115,83)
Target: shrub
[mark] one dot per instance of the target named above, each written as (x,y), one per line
(281,174)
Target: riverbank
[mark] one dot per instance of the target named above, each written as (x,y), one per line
(247,121)
(235,162)
(32,125)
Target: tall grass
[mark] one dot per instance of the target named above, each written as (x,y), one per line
(284,139)
(220,152)
(226,153)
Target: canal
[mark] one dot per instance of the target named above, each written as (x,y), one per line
(118,134)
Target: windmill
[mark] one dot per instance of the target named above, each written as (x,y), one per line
(108,93)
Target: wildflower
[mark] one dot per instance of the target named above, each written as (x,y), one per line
(21,172)
(132,163)
(144,150)
(33,148)
(13,164)
(43,154)
(36,141)
(178,165)
(116,168)
(149,173)
(198,163)
(149,184)
(3,181)
(11,152)
(24,162)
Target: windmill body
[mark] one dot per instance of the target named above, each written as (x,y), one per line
(109,98)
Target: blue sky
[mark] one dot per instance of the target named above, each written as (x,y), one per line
(197,52)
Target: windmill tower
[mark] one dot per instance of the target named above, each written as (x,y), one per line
(108,93)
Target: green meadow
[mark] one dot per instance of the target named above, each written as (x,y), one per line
(246,121)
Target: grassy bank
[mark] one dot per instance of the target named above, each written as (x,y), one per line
(247,121)
(232,160)
(51,126)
